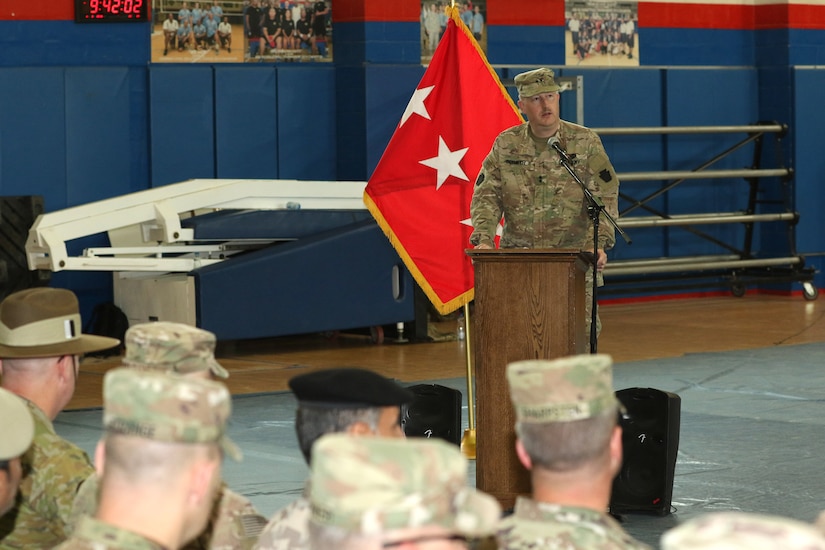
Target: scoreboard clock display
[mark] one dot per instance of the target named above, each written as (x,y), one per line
(111,11)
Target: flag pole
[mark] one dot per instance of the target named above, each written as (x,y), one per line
(468,441)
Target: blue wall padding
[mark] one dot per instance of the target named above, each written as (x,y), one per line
(389,90)
(182,115)
(728,97)
(709,47)
(270,224)
(525,45)
(612,99)
(377,42)
(351,125)
(806,47)
(68,44)
(307,122)
(337,280)
(33,134)
(101,153)
(246,122)
(809,125)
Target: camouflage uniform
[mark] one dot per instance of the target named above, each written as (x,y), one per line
(166,408)
(234,523)
(53,469)
(742,530)
(287,530)
(18,433)
(372,486)
(183,349)
(543,525)
(327,389)
(522,180)
(548,392)
(92,534)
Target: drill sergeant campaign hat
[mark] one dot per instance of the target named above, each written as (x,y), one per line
(348,388)
(535,82)
(742,530)
(562,390)
(169,408)
(372,485)
(174,347)
(45,322)
(18,426)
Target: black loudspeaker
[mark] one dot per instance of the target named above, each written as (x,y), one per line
(435,411)
(17,215)
(650,438)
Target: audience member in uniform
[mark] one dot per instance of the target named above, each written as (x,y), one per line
(179,349)
(40,348)
(373,493)
(18,432)
(355,401)
(159,460)
(742,531)
(569,438)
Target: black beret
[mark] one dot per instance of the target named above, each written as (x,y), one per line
(348,388)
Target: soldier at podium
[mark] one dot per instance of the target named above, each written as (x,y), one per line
(569,439)
(523,181)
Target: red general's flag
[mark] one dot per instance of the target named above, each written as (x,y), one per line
(421,189)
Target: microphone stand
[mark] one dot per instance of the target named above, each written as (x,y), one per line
(595,207)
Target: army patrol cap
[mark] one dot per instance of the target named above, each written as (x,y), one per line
(372,485)
(174,347)
(169,408)
(562,390)
(535,82)
(348,388)
(18,426)
(741,530)
(45,322)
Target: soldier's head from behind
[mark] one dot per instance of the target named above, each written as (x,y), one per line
(352,400)
(566,413)
(173,347)
(41,345)
(369,493)
(742,531)
(18,432)
(164,439)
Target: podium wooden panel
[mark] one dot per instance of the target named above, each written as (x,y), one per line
(529,304)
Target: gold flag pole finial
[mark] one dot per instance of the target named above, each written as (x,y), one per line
(468,441)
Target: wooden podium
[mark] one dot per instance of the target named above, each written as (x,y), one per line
(529,304)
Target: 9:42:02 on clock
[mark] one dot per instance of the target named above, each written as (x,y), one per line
(109,11)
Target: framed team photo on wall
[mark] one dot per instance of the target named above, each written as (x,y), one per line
(241,31)
(434,22)
(601,33)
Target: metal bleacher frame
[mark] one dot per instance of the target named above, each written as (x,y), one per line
(737,265)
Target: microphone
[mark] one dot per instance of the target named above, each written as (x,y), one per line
(553,143)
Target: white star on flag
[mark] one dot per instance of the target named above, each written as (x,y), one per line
(446,163)
(416,105)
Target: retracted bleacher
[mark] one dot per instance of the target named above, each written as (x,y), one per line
(241,258)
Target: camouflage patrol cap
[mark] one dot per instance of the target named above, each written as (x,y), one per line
(535,82)
(735,530)
(562,390)
(165,407)
(18,426)
(370,486)
(172,347)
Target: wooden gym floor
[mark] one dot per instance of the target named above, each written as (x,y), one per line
(631,332)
